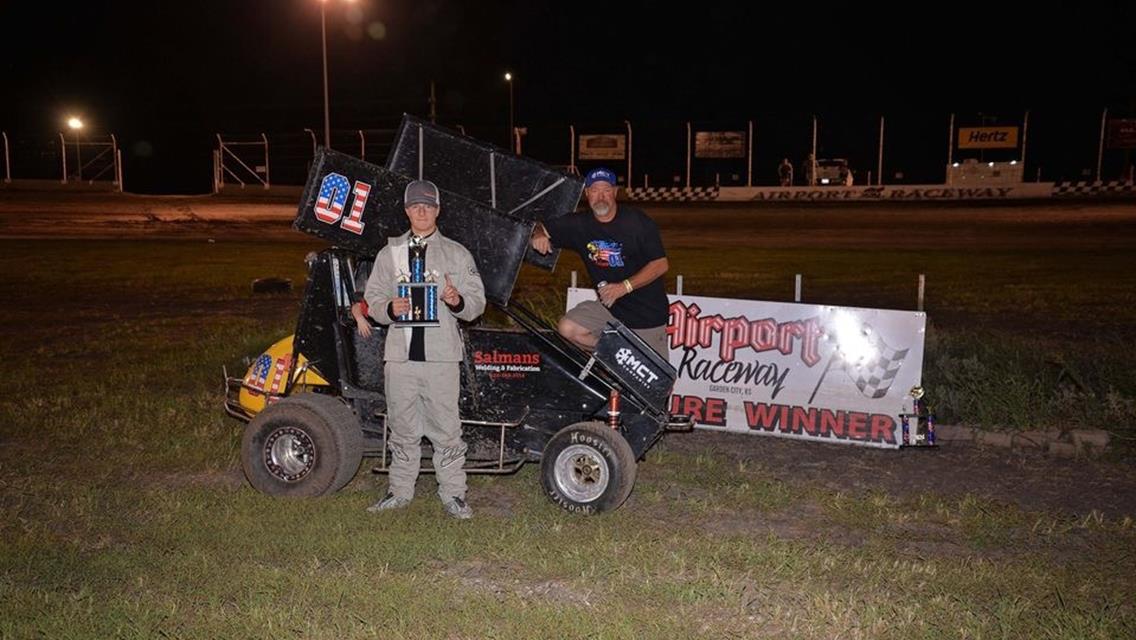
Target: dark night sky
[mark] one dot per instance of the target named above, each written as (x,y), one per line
(171,74)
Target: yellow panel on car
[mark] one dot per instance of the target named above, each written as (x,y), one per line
(266,379)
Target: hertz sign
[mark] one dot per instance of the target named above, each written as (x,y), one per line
(988,138)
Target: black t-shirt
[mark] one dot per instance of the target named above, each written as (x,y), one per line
(614,251)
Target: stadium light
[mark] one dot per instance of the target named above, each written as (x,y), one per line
(323,40)
(76,125)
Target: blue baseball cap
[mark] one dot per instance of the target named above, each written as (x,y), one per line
(600,174)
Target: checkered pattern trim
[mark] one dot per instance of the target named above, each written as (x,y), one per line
(1093,189)
(673,194)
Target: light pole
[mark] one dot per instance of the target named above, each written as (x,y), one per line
(76,125)
(509,80)
(323,39)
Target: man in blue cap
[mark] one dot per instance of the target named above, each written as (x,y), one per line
(624,256)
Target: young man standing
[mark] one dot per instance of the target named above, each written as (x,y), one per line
(422,370)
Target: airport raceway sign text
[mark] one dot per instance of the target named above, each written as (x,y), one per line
(894,193)
(811,372)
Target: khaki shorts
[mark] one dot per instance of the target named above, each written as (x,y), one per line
(593,316)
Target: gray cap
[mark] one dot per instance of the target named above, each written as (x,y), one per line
(421,192)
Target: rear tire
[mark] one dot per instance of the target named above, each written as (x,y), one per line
(306,445)
(588,468)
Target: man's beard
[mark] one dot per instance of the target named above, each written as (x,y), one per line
(601,209)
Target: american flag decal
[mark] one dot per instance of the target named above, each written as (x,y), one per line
(258,375)
(353,222)
(332,198)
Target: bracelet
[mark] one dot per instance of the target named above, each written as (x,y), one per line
(627,285)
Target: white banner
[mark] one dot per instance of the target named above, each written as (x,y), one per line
(913,193)
(720,144)
(806,371)
(603,147)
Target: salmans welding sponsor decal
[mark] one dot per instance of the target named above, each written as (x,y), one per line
(505,365)
(814,372)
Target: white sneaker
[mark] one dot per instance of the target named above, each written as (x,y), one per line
(389,501)
(457,508)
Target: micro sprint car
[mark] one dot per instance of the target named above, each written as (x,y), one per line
(314,402)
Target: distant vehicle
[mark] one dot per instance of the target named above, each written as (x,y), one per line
(833,172)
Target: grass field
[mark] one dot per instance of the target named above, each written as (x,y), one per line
(124,512)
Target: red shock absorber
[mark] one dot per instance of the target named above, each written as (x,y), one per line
(613,409)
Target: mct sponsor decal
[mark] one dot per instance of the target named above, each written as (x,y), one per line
(629,361)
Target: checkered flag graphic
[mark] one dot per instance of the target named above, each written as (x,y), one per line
(873,377)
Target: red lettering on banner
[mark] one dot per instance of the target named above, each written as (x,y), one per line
(821,423)
(805,419)
(687,329)
(760,415)
(883,428)
(857,425)
(709,411)
(832,422)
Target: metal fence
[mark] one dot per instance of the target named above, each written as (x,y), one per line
(1077,145)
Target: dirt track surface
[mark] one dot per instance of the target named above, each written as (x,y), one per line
(1028,479)
(38,215)
(1021,225)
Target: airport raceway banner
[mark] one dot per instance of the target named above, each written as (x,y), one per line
(804,371)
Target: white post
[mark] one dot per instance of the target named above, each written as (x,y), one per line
(749,154)
(63,152)
(678,285)
(950,147)
(119,163)
(267,182)
(114,159)
(688,136)
(814,141)
(572,149)
(7,161)
(880,159)
(1025,136)
(628,123)
(79,156)
(573,279)
(1100,149)
(797,289)
(362,145)
(922,283)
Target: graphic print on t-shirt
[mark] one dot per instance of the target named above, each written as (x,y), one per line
(605,253)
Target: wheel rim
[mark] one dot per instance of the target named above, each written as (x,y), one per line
(581,473)
(289,454)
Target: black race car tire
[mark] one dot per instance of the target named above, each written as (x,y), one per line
(588,468)
(305,445)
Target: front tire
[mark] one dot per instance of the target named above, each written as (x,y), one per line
(588,467)
(306,445)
